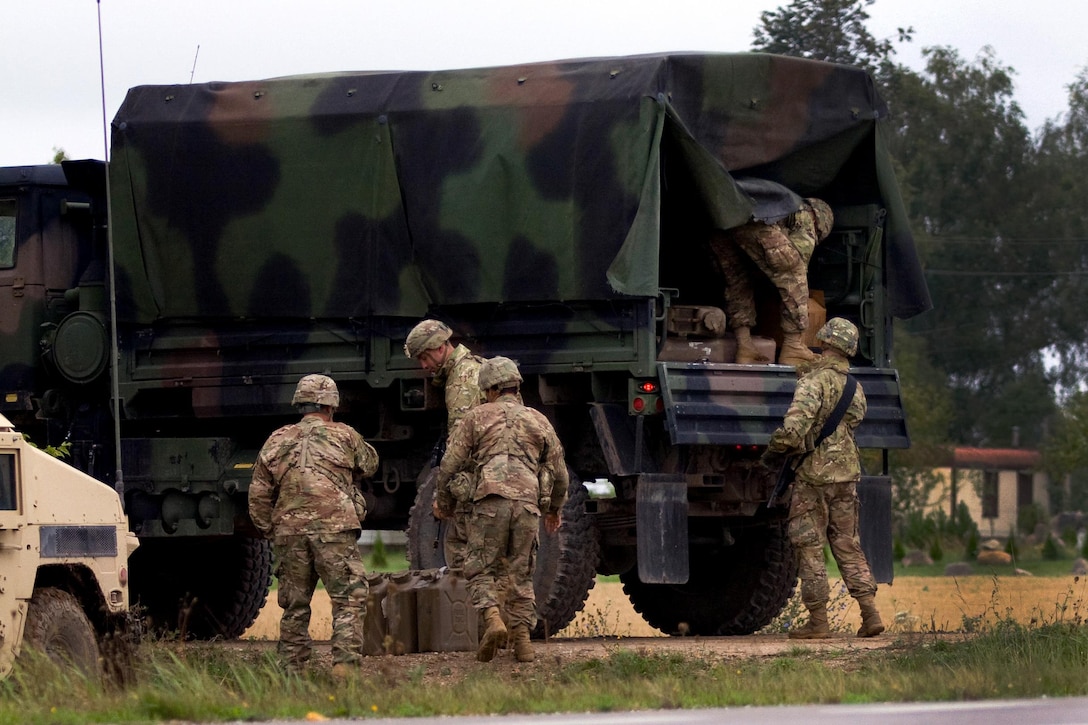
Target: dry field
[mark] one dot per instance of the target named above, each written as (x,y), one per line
(911,604)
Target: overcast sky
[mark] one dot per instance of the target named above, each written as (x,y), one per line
(51,95)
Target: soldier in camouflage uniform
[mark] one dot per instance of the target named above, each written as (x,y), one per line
(782,252)
(519,472)
(824,503)
(455,369)
(305,496)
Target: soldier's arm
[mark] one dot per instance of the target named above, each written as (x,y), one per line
(791,436)
(366,458)
(261,495)
(461,397)
(554,482)
(458,452)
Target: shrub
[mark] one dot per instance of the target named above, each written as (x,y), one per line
(1011,546)
(1028,517)
(1050,549)
(898,550)
(378,556)
(935,551)
(971,546)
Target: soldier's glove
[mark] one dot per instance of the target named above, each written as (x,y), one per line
(772,460)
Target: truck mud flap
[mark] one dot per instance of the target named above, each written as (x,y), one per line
(726,404)
(662,525)
(875,525)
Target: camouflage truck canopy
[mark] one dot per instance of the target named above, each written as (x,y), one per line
(384,193)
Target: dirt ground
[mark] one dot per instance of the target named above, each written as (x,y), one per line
(913,608)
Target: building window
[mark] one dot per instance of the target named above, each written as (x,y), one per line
(989,494)
(1025,490)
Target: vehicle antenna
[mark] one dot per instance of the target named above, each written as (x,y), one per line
(193,71)
(118,481)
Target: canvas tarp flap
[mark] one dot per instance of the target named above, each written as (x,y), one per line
(385,193)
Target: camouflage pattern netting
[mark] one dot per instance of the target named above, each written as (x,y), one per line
(389,193)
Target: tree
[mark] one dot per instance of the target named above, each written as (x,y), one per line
(1066,450)
(967,165)
(831,30)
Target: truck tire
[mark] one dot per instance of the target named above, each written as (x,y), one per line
(57,627)
(426,534)
(566,562)
(202,588)
(733,590)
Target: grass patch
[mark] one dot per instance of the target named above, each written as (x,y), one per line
(207,683)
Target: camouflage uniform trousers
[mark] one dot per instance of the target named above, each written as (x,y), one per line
(334,558)
(827,513)
(501,557)
(457,536)
(768,248)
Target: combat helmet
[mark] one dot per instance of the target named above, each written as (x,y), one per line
(825,218)
(840,334)
(425,336)
(498,372)
(316,390)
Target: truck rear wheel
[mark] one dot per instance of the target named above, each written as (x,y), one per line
(566,562)
(57,627)
(204,588)
(732,590)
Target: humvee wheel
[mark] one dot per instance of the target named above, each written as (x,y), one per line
(566,562)
(57,627)
(732,590)
(203,588)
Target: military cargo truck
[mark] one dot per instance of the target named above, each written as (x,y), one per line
(64,547)
(556,213)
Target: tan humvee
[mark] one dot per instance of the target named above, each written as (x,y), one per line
(64,548)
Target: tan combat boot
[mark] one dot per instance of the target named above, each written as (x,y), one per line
(747,354)
(523,648)
(794,351)
(815,628)
(871,625)
(493,635)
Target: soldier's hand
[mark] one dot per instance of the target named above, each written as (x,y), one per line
(772,460)
(438,513)
(552,522)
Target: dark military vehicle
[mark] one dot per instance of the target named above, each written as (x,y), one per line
(556,213)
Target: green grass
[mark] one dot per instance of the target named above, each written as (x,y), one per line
(206,683)
(1038,567)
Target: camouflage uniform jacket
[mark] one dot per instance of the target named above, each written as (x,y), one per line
(458,374)
(514,452)
(306,477)
(818,391)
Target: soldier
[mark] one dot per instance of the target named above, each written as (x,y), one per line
(782,252)
(521,472)
(824,503)
(305,496)
(455,369)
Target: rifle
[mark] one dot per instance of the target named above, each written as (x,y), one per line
(786,474)
(792,463)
